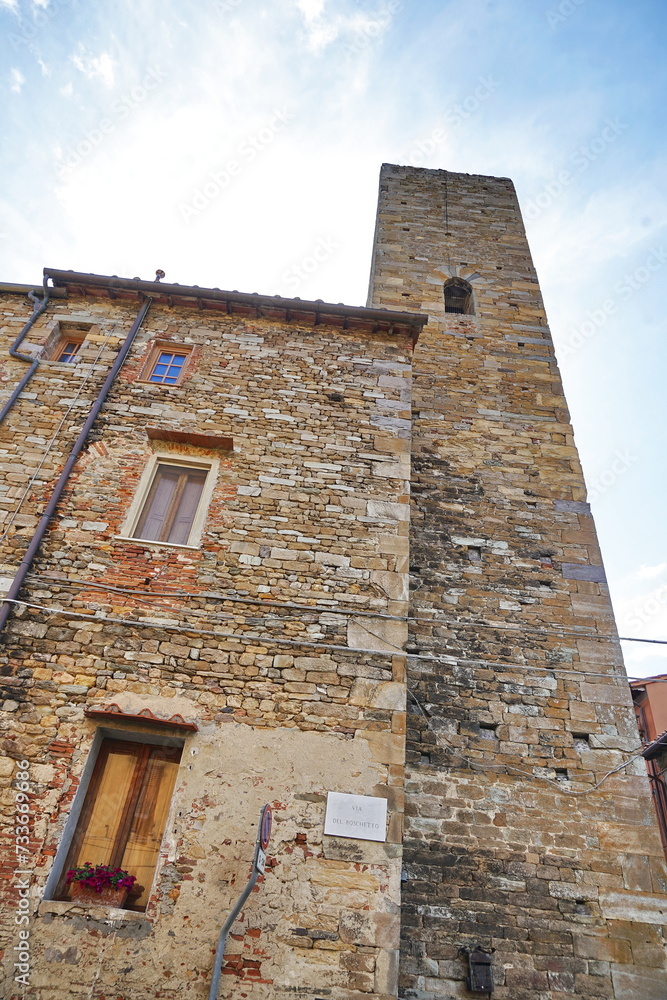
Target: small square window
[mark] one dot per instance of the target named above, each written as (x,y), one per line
(124,813)
(66,339)
(166,364)
(67,351)
(168,367)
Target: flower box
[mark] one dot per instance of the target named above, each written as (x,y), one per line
(100,885)
(111,895)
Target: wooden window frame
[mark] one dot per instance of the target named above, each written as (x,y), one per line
(64,332)
(61,348)
(166,347)
(142,746)
(185,474)
(146,484)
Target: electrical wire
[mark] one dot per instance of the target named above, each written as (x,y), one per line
(520,629)
(206,595)
(449,659)
(486,766)
(244,637)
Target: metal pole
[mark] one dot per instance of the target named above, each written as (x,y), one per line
(226,927)
(258,865)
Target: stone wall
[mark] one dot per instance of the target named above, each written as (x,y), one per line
(281,637)
(518,699)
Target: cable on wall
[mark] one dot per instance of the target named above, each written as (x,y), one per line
(488,763)
(447,659)
(517,628)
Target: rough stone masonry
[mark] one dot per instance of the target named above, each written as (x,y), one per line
(367,505)
(518,699)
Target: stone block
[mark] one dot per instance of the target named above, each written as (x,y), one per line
(637,984)
(385,748)
(641,908)
(370,929)
(641,840)
(394,585)
(363,633)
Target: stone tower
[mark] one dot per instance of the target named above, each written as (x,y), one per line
(518,697)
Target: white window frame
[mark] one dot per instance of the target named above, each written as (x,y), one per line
(209,465)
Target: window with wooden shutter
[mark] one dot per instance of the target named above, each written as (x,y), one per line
(124,814)
(171,505)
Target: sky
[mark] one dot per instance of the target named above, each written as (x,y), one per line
(226,141)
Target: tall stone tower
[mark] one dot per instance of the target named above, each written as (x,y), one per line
(518,697)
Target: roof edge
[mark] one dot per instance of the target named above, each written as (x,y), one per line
(656,747)
(76,279)
(18,288)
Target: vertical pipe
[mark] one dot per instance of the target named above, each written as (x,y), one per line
(40,531)
(38,309)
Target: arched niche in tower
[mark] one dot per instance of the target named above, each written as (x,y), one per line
(458,297)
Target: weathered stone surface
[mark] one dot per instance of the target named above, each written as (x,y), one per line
(438,489)
(504,567)
(244,633)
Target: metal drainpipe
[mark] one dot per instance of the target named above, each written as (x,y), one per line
(38,309)
(40,531)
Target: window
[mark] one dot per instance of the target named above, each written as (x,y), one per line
(66,340)
(168,514)
(167,368)
(174,492)
(166,364)
(458,297)
(124,813)
(68,351)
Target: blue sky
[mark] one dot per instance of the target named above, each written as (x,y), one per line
(225,141)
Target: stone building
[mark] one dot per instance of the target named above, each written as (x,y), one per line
(650,701)
(220,594)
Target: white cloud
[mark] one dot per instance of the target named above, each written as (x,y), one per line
(18,80)
(95,67)
(648,572)
(10,4)
(361,29)
(67,90)
(311,9)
